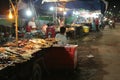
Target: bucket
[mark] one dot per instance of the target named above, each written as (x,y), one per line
(86,29)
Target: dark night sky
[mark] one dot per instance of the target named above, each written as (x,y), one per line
(4,6)
(114,2)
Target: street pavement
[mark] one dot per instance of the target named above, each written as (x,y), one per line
(98,57)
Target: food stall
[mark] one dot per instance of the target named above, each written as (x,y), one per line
(75,31)
(27,58)
(34,57)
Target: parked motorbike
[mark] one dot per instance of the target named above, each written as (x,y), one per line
(110,24)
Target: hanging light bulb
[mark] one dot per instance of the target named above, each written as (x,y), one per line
(28,12)
(10,14)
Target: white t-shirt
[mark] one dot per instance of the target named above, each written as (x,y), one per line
(62,39)
(32,24)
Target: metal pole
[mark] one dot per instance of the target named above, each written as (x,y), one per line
(56,13)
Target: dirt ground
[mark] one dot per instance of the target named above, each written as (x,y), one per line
(98,57)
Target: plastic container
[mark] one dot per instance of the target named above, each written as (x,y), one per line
(86,29)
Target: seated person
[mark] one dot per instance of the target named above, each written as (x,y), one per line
(61,36)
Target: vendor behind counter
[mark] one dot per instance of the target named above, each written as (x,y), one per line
(31,29)
(33,25)
(50,30)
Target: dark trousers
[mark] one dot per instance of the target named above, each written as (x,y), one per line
(97,28)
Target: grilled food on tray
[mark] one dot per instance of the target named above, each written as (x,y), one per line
(2,50)
(10,44)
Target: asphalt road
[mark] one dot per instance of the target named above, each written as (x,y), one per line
(109,53)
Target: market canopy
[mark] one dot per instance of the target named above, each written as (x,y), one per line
(57,0)
(70,4)
(88,5)
(80,4)
(46,18)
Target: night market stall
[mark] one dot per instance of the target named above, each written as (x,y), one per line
(35,56)
(29,58)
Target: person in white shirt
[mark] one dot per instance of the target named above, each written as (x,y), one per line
(33,25)
(61,36)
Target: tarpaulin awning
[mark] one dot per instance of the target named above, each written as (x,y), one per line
(47,18)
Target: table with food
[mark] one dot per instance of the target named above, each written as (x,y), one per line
(28,52)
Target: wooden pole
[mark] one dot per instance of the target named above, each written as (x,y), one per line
(16,23)
(15,9)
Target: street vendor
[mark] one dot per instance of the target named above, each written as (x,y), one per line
(61,37)
(33,26)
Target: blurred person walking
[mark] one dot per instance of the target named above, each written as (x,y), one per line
(93,26)
(97,24)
